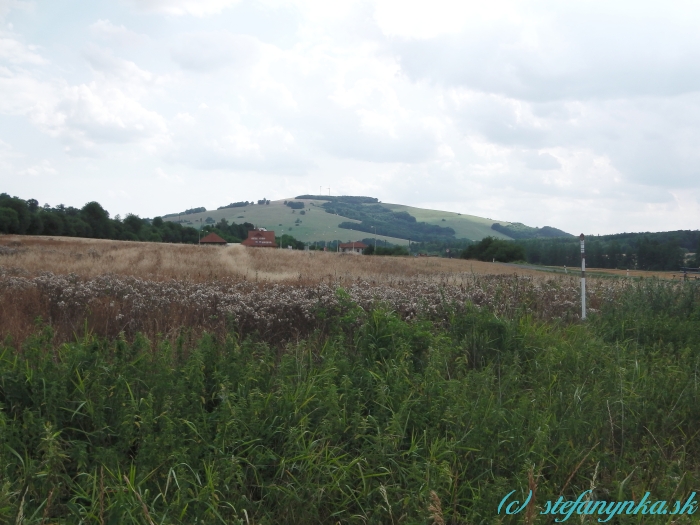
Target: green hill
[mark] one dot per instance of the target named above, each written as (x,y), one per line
(348,219)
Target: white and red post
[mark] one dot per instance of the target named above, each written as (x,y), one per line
(583,279)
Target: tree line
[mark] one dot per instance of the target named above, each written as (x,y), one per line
(375,217)
(27,217)
(661,251)
(191,211)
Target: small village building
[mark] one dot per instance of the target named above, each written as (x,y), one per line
(260,238)
(353,247)
(213,239)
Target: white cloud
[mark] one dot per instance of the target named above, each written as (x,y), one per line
(44,168)
(420,19)
(199,8)
(8,5)
(81,115)
(12,51)
(7,155)
(212,50)
(21,93)
(89,113)
(162,175)
(540,160)
(124,74)
(582,50)
(216,139)
(118,34)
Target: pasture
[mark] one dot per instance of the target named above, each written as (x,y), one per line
(317,225)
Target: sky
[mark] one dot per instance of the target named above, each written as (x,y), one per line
(582,115)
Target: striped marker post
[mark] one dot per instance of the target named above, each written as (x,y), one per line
(583,279)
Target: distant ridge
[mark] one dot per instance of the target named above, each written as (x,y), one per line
(311,218)
(350,199)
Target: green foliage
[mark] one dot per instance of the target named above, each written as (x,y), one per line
(644,251)
(359,425)
(490,249)
(288,240)
(9,221)
(98,220)
(133,223)
(295,205)
(518,230)
(389,250)
(231,232)
(21,209)
(350,199)
(93,221)
(378,218)
(240,204)
(656,255)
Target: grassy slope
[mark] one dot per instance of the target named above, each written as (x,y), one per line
(318,225)
(469,226)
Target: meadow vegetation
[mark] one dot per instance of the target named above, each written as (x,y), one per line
(158,261)
(173,387)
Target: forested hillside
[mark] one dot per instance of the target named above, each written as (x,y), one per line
(375,217)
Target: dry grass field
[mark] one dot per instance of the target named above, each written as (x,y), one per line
(90,258)
(111,287)
(116,287)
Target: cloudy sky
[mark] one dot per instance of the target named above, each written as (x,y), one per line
(584,115)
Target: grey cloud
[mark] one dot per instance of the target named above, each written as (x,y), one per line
(498,120)
(578,55)
(649,140)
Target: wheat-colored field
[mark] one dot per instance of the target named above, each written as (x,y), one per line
(111,287)
(158,261)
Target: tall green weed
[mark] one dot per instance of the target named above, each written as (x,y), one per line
(360,424)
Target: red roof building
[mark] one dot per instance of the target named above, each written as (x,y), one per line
(352,247)
(213,238)
(260,239)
